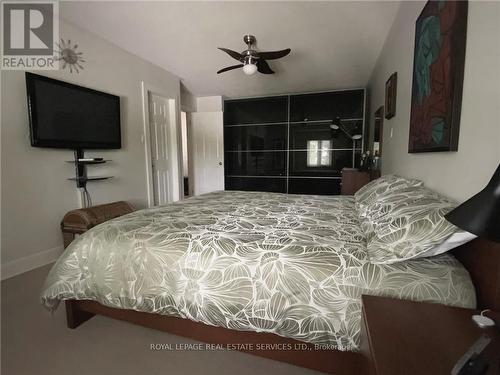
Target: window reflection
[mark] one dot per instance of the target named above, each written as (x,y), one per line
(319,153)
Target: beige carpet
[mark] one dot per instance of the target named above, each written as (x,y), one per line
(35,342)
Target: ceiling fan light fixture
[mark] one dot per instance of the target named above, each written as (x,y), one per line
(251,60)
(249,69)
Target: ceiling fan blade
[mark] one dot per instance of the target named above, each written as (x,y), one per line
(233,54)
(272,55)
(263,67)
(230,68)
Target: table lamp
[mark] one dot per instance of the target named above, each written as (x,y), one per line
(480,214)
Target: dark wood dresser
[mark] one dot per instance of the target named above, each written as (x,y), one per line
(353,179)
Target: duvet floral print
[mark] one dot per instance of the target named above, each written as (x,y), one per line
(293,265)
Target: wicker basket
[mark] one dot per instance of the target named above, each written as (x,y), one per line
(81,220)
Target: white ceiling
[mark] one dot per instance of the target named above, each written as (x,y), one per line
(334,44)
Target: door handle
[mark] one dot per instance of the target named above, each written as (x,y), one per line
(220,163)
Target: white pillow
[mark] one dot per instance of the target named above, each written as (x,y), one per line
(455,240)
(410,223)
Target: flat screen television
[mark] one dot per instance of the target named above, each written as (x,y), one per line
(63,115)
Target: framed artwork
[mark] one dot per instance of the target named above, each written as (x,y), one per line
(438,73)
(390,95)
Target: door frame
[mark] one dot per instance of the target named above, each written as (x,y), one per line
(189,155)
(174,130)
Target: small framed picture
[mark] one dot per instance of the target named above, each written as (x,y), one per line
(390,95)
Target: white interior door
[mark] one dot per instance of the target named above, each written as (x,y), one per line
(208,151)
(161,165)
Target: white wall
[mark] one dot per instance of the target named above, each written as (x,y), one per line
(35,190)
(188,100)
(455,174)
(209,104)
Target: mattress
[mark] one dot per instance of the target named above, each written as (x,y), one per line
(292,265)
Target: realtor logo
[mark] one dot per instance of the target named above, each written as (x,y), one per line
(29,33)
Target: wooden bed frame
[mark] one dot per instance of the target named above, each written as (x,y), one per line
(480,257)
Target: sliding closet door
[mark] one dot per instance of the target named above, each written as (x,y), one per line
(255,144)
(317,152)
(286,143)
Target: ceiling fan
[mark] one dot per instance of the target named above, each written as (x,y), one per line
(252,60)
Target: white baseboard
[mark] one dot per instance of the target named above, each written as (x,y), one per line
(30,262)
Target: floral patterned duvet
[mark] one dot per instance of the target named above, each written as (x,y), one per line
(293,265)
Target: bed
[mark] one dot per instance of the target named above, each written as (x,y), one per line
(247,267)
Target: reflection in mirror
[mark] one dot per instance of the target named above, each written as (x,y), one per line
(319,153)
(378,132)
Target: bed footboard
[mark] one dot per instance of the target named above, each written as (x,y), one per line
(261,344)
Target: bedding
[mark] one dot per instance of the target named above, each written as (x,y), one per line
(409,224)
(383,186)
(292,265)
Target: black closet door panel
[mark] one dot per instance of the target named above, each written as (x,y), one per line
(251,137)
(325,106)
(301,134)
(319,163)
(255,163)
(277,185)
(319,186)
(256,110)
